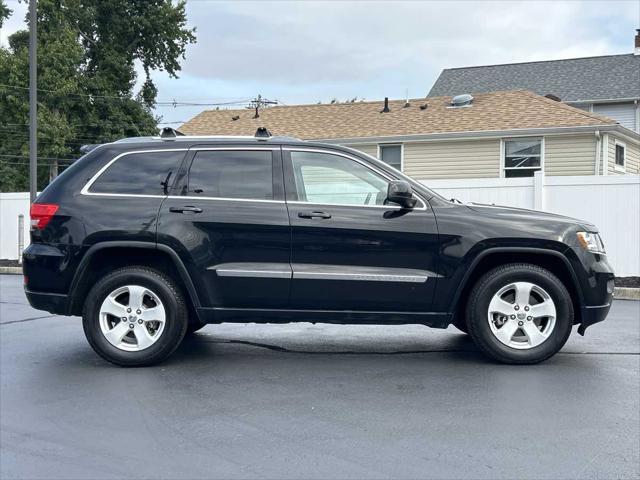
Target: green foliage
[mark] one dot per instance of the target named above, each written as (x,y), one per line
(89,52)
(5,12)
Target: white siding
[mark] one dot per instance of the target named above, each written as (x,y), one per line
(570,155)
(368,149)
(455,159)
(624,113)
(632,160)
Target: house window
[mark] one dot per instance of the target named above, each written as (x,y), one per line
(391,155)
(522,157)
(620,155)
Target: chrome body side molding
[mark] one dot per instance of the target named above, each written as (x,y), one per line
(306,271)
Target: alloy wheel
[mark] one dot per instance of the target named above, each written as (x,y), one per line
(522,315)
(132,318)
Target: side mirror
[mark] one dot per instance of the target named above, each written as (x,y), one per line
(400,192)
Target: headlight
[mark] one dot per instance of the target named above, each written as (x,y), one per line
(591,242)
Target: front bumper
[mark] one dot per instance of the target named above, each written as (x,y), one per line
(591,315)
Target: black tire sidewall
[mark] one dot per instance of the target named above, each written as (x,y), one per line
(491,284)
(175,323)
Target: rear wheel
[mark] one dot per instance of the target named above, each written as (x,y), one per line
(520,313)
(135,316)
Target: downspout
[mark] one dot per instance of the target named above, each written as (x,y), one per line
(598,151)
(605,154)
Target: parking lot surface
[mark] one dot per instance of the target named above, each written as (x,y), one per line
(315,401)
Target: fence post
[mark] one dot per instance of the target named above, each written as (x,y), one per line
(20,237)
(538,190)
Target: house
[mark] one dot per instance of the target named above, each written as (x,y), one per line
(607,85)
(498,134)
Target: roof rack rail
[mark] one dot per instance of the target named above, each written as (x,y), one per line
(88,147)
(168,132)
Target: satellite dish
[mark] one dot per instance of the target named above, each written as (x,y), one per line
(462,100)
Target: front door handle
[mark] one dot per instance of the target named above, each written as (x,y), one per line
(188,208)
(309,214)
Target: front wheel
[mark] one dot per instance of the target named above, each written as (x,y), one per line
(520,314)
(135,316)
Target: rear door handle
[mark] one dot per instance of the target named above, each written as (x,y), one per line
(185,209)
(314,215)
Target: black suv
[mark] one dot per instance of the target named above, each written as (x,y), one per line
(152,238)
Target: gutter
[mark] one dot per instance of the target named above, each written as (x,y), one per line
(603,100)
(632,136)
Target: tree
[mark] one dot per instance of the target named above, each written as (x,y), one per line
(88,55)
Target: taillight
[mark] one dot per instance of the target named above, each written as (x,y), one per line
(41,214)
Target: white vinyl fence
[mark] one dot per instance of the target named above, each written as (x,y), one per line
(611,202)
(13,228)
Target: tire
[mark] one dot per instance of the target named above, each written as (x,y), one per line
(548,311)
(129,340)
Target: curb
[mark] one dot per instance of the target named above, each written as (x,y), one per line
(11,270)
(623,293)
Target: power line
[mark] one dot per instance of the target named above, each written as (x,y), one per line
(162,103)
(39,158)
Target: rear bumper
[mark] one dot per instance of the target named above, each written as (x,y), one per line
(49,302)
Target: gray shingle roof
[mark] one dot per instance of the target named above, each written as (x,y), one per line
(592,78)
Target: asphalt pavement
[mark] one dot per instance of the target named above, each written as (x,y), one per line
(315,401)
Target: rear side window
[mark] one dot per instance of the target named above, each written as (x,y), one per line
(232,174)
(146,173)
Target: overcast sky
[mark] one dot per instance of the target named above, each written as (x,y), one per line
(305,52)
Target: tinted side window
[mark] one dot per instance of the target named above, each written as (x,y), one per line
(326,178)
(232,174)
(139,174)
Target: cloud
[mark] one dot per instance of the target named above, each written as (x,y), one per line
(293,42)
(302,52)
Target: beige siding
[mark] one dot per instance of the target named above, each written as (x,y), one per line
(368,149)
(570,155)
(455,159)
(632,160)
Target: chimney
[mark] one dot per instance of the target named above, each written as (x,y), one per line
(637,49)
(386,106)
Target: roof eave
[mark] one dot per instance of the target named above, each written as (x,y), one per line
(515,132)
(604,100)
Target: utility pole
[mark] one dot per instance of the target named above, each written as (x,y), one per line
(259,102)
(33,105)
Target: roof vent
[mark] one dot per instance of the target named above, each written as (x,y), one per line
(553,97)
(262,133)
(424,106)
(235,117)
(386,106)
(464,100)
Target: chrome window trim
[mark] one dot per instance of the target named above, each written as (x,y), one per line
(224,199)
(87,186)
(364,164)
(85,189)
